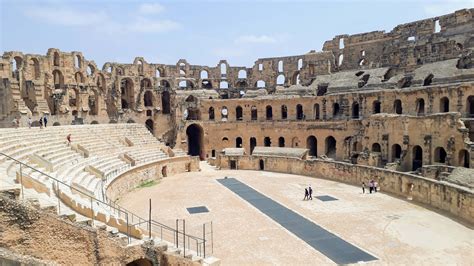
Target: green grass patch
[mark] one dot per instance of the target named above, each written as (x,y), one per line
(147,183)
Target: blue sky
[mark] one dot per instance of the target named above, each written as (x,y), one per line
(202,32)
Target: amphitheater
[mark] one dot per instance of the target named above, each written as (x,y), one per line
(207,165)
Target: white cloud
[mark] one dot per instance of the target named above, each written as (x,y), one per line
(65,16)
(254,39)
(150,8)
(443,8)
(152,26)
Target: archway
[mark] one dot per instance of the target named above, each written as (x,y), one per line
(267,142)
(140,262)
(470,106)
(195,140)
(148,99)
(440,155)
(238,142)
(269,112)
(165,102)
(417,157)
(464,158)
(355,110)
(262,165)
(331,147)
(397,107)
(444,105)
(281,142)
(253,143)
(299,112)
(396,152)
(312,145)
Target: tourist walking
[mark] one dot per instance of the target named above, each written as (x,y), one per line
(375,186)
(371,186)
(45,120)
(363,188)
(68,138)
(310,191)
(306,194)
(41,122)
(29,121)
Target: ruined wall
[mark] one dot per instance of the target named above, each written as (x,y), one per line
(449,198)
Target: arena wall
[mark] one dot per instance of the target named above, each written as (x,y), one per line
(452,199)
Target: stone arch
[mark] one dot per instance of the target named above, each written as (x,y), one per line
(224,85)
(211,113)
(330,144)
(267,142)
(316,111)
(355,110)
(260,84)
(269,112)
(376,107)
(336,110)
(238,113)
(428,80)
(195,136)
(58,79)
(35,68)
(299,112)
(396,152)
(417,157)
(253,144)
(281,142)
(238,142)
(79,77)
(284,112)
(280,79)
(376,147)
(56,59)
(397,106)
(150,125)
(253,113)
(420,106)
(148,98)
(440,155)
(140,262)
(224,113)
(204,74)
(77,61)
(312,145)
(470,106)
(280,66)
(127,93)
(166,102)
(464,158)
(444,105)
(242,74)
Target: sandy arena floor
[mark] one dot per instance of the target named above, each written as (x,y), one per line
(395,231)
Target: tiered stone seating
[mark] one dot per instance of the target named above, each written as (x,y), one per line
(96,154)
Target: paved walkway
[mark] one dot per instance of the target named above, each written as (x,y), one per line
(335,248)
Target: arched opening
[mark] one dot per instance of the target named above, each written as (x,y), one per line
(440,155)
(56,59)
(376,107)
(405,82)
(223,85)
(376,147)
(444,105)
(224,113)
(300,63)
(464,158)
(267,142)
(470,106)
(253,143)
(58,79)
(242,74)
(148,99)
(355,110)
(35,68)
(284,112)
(396,152)
(79,77)
(193,113)
(165,102)
(312,146)
(211,113)
(238,113)
(397,107)
(336,110)
(140,262)
(269,112)
(260,84)
(280,79)
(389,74)
(238,142)
(195,140)
(299,112)
(281,142)
(157,73)
(204,74)
(149,124)
(340,59)
(420,106)
(127,94)
(280,66)
(164,171)
(417,158)
(254,113)
(330,147)
(223,69)
(206,84)
(261,165)
(428,80)
(316,111)
(165,84)
(77,61)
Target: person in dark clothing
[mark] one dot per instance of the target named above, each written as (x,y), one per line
(371,186)
(363,188)
(45,120)
(310,191)
(41,122)
(306,194)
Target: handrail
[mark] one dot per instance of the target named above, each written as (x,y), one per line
(114,207)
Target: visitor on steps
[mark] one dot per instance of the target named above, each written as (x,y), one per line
(68,138)
(363,188)
(41,122)
(305,194)
(45,120)
(310,191)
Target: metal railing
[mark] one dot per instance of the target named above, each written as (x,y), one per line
(153,228)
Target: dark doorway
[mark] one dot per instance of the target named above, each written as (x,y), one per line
(195,140)
(269,112)
(233,165)
(464,159)
(312,145)
(299,112)
(165,102)
(396,152)
(267,142)
(140,262)
(253,143)
(281,142)
(417,157)
(164,171)
(331,147)
(355,110)
(149,125)
(238,142)
(397,107)
(262,165)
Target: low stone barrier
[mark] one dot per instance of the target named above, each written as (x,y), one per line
(451,198)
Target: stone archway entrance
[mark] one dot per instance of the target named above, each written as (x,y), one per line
(195,140)
(140,262)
